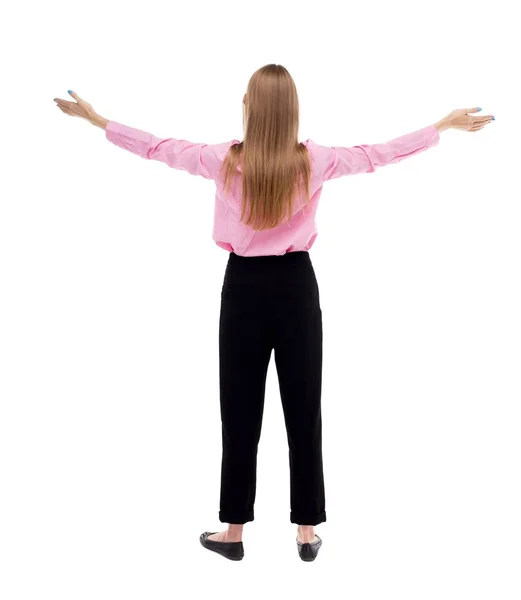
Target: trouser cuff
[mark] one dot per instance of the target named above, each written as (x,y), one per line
(303,519)
(235,518)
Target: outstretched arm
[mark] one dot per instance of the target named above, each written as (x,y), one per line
(196,158)
(365,158)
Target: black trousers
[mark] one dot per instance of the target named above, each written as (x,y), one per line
(271,303)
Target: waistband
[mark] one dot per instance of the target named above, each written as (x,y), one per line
(300,256)
(292,266)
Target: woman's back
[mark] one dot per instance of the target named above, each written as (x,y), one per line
(300,232)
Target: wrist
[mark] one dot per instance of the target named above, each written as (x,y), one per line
(442,125)
(99,121)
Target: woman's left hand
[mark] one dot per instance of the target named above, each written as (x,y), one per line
(81,109)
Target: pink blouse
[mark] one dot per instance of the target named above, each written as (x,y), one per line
(300,232)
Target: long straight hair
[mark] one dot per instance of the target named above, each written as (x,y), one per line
(275,166)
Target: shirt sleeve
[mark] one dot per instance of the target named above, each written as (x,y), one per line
(195,158)
(337,161)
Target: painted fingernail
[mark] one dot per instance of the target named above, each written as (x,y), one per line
(479,109)
(69,91)
(493,118)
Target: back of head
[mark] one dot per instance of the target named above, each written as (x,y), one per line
(275,167)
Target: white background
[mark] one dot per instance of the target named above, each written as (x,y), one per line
(110,290)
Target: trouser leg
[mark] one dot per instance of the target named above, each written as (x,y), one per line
(298,358)
(244,355)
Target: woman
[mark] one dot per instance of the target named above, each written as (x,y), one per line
(267,191)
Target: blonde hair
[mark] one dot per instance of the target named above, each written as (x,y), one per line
(275,166)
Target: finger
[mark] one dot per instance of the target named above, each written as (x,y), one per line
(478,125)
(481,118)
(465,111)
(484,119)
(65,110)
(79,100)
(68,111)
(61,102)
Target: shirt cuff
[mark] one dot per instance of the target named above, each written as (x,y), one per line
(432,135)
(112,129)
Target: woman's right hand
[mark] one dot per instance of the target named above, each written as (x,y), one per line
(462,119)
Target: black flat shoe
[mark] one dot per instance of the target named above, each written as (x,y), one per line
(308,552)
(230,550)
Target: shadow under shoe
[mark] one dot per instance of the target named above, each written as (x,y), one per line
(230,550)
(308,552)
